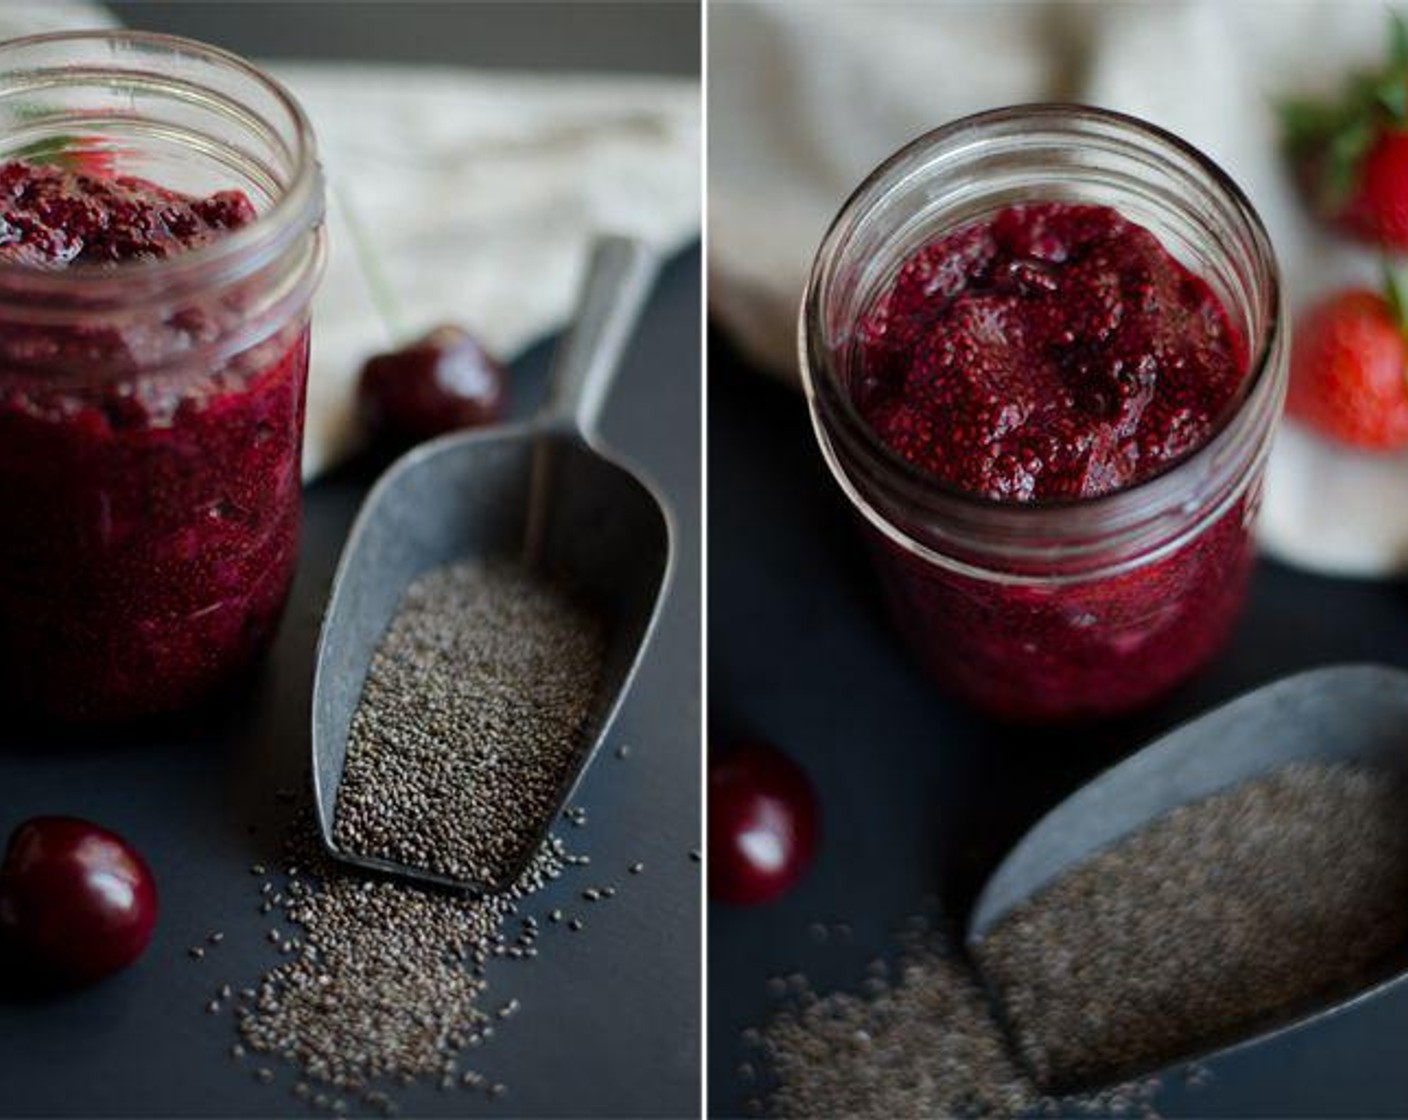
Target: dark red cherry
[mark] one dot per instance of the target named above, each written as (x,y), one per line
(437,384)
(76,900)
(763,824)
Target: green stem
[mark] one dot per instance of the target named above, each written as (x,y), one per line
(383,297)
(1393,292)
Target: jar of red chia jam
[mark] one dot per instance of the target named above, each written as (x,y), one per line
(161,211)
(1044,353)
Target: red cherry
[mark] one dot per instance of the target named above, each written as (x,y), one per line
(763,826)
(75,899)
(437,384)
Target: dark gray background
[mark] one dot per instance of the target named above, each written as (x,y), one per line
(921,797)
(649,36)
(610,1019)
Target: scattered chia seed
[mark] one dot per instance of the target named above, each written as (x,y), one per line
(695,855)
(926,1046)
(216,938)
(197,953)
(636,868)
(472,713)
(1202,927)
(382,983)
(1207,923)
(923,1044)
(575,925)
(623,751)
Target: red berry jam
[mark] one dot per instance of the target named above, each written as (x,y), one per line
(1055,353)
(51,218)
(149,528)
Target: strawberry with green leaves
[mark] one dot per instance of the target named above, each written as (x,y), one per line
(1351,155)
(1349,368)
(82,155)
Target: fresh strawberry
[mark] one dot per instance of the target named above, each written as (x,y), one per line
(1349,369)
(1377,210)
(84,155)
(1351,155)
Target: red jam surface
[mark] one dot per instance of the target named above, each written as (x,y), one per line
(51,218)
(149,527)
(1056,352)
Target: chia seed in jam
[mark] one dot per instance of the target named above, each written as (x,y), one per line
(149,528)
(1055,353)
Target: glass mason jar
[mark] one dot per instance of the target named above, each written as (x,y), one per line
(1048,611)
(151,412)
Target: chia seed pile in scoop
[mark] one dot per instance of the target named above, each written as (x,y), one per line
(1188,933)
(1202,925)
(470,719)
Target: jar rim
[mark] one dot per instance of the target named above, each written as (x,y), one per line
(296,207)
(1044,517)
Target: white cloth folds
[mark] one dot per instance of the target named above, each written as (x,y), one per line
(480,194)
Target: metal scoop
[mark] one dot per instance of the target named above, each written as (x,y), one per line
(1345,714)
(542,492)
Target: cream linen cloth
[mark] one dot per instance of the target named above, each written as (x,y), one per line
(480,193)
(804,99)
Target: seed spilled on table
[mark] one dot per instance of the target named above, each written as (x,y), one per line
(924,1045)
(470,719)
(1176,940)
(385,979)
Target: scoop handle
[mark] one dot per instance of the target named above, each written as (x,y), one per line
(618,280)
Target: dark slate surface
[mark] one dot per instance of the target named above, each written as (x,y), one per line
(921,797)
(610,1018)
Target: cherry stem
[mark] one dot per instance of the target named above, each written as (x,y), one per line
(383,298)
